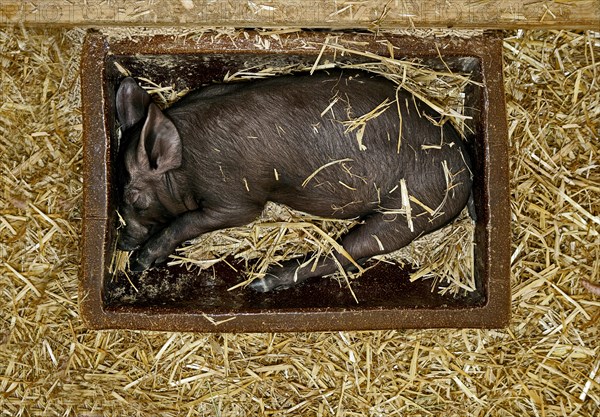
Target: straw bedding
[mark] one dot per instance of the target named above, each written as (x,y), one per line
(545,364)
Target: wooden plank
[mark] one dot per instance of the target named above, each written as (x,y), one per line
(369,14)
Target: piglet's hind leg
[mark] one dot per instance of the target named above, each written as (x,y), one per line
(377,235)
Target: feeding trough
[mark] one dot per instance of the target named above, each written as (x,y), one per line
(177,298)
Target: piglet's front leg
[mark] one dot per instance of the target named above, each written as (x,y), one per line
(185,227)
(158,248)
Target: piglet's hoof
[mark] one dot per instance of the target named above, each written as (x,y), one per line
(136,266)
(139,263)
(268,283)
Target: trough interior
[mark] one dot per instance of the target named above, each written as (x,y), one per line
(179,290)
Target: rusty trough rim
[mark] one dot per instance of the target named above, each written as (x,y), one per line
(495,313)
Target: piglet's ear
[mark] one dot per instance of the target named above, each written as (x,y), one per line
(160,144)
(132,103)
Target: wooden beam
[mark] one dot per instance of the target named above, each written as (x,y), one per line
(357,14)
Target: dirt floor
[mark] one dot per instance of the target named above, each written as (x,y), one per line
(544,364)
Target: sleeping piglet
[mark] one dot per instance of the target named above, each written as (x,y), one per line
(328,144)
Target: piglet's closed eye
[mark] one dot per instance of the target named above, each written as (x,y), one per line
(159,148)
